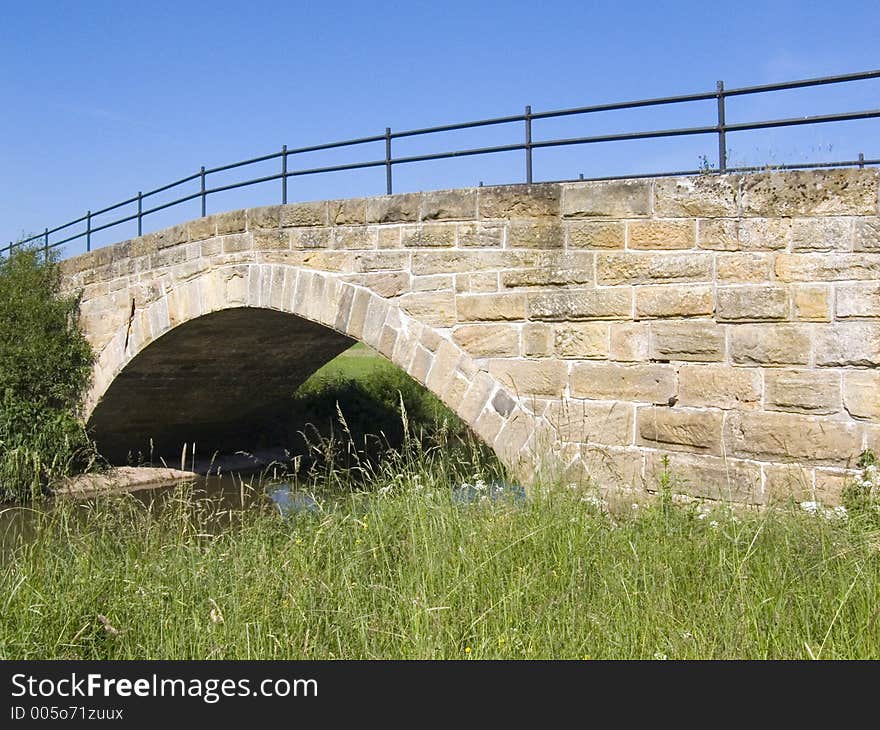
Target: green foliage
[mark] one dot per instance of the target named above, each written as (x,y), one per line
(45,366)
(861,495)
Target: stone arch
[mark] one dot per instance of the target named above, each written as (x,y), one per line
(346,312)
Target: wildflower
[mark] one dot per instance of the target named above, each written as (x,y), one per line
(660,657)
(811,507)
(635,505)
(702,515)
(713,524)
(467,650)
(687,635)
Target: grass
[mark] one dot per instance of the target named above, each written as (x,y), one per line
(396,568)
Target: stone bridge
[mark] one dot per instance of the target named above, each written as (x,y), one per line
(726,325)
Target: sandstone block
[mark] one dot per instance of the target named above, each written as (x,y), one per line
(354,238)
(530,234)
(821,234)
(743,268)
(393,208)
(679,429)
(437,282)
(304,214)
(369,261)
(520,201)
(347,212)
(201,228)
(719,386)
(674,301)
(306,238)
(784,482)
(457,205)
(661,234)
(607,199)
(640,383)
(701,475)
(793,193)
(268,216)
(652,268)
(748,234)
(630,341)
(858,301)
(581,304)
(592,422)
(480,235)
(530,377)
(596,234)
(770,344)
(234,221)
(491,307)
(826,267)
(581,341)
(519,278)
(790,437)
(488,340)
(696,341)
(848,344)
(861,394)
(427,236)
(537,340)
(752,303)
(802,391)
(812,302)
(707,196)
(866,235)
(433,308)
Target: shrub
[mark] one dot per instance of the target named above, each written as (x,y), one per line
(45,366)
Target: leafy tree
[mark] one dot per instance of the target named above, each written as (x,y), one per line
(45,367)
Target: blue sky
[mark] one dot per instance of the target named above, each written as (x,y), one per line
(107,98)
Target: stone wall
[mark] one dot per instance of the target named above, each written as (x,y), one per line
(726,325)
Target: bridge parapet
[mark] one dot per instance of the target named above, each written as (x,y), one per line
(728,325)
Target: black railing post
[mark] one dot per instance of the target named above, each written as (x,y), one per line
(140,213)
(388,186)
(284,174)
(46,243)
(861,160)
(202,181)
(722,129)
(528,119)
(88,230)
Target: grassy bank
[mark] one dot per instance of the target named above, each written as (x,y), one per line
(401,569)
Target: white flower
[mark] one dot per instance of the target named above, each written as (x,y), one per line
(660,657)
(713,524)
(702,515)
(811,507)
(635,505)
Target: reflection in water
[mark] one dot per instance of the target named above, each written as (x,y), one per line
(289,502)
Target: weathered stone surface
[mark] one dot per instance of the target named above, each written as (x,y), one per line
(848,344)
(802,391)
(661,234)
(488,340)
(822,234)
(866,235)
(537,340)
(790,437)
(674,301)
(546,277)
(743,268)
(304,214)
(861,394)
(652,268)
(612,381)
(770,344)
(701,196)
(630,341)
(719,386)
(696,341)
(812,302)
(680,429)
(347,212)
(826,267)
(434,308)
(481,234)
(748,234)
(581,304)
(520,201)
(617,199)
(581,341)
(455,205)
(752,303)
(531,234)
(491,307)
(699,475)
(427,236)
(530,377)
(793,193)
(596,234)
(858,301)
(585,422)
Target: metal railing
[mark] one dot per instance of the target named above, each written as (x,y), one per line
(721,129)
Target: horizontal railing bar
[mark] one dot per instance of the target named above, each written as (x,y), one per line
(233,186)
(114,207)
(862,76)
(172,203)
(336,168)
(457,126)
(626,105)
(462,153)
(189,178)
(684,132)
(252,161)
(334,145)
(795,121)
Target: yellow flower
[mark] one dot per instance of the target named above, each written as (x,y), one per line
(467,650)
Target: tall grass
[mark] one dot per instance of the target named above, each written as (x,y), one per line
(392,565)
